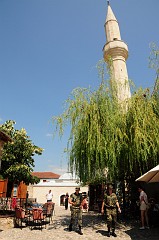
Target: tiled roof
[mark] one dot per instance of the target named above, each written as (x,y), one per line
(46,175)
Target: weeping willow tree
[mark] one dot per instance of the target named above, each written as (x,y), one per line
(106,142)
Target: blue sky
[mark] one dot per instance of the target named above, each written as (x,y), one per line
(50,47)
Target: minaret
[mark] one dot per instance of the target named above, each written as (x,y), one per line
(115,54)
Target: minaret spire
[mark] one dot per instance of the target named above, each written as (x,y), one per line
(116,51)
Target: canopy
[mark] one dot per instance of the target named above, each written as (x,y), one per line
(150,176)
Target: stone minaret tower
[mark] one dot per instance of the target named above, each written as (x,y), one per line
(115,54)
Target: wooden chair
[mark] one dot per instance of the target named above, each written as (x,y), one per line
(37,218)
(49,210)
(20,217)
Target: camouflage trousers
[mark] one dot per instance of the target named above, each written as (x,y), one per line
(76,212)
(111,218)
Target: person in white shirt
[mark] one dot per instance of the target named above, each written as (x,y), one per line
(143,208)
(49,196)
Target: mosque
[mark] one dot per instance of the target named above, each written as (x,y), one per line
(116,50)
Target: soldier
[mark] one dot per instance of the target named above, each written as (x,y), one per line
(110,201)
(76,209)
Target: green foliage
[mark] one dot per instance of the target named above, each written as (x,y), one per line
(105,141)
(154,58)
(154,64)
(142,129)
(103,137)
(17,158)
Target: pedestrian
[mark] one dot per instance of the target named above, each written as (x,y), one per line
(110,202)
(85,203)
(66,201)
(143,208)
(27,196)
(75,200)
(49,196)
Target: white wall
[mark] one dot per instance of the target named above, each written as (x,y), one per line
(39,192)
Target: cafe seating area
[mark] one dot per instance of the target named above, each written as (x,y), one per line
(35,216)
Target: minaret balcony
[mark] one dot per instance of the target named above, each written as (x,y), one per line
(115,49)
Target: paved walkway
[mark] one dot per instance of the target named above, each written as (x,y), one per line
(94,228)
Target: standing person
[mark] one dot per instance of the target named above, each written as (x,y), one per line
(85,204)
(110,201)
(75,201)
(49,196)
(143,208)
(66,201)
(27,196)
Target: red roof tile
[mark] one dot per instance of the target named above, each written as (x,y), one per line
(44,175)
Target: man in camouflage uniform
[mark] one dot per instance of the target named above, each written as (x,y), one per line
(110,201)
(76,209)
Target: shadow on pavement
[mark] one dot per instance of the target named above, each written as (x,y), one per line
(102,232)
(137,234)
(98,223)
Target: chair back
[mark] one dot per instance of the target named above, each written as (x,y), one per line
(19,213)
(49,206)
(37,214)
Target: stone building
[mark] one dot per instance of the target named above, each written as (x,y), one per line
(59,185)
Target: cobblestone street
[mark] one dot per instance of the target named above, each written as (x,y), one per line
(94,227)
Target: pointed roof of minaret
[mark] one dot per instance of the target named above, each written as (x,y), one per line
(110,14)
(111,26)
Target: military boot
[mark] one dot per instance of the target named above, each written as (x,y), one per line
(113,233)
(108,231)
(80,231)
(70,227)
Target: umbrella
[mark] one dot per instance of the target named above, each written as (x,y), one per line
(150,176)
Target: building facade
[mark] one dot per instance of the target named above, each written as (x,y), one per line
(59,185)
